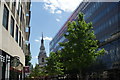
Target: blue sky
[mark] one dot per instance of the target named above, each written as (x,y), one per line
(48,16)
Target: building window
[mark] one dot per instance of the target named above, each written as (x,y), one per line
(12,27)
(5,17)
(20,39)
(42,59)
(14,3)
(18,8)
(13,7)
(16,34)
(20,11)
(22,42)
(21,14)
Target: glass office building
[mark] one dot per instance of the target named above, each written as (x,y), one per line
(105,17)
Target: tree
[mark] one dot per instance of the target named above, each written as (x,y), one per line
(36,72)
(27,60)
(81,49)
(53,65)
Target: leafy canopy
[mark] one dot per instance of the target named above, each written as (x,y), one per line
(81,49)
(36,72)
(53,66)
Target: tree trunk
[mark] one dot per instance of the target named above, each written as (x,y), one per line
(78,76)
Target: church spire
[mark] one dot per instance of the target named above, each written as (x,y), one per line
(42,41)
(42,48)
(42,54)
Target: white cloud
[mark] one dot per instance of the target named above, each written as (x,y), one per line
(58,12)
(64,5)
(37,40)
(35,57)
(51,8)
(45,38)
(57,20)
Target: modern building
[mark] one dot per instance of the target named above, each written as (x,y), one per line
(105,17)
(14,37)
(42,54)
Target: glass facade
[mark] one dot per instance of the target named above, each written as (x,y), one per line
(105,17)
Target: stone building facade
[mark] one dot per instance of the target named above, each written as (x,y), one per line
(14,38)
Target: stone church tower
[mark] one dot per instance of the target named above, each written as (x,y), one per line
(42,54)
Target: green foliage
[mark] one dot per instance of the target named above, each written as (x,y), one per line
(27,60)
(53,64)
(80,51)
(36,72)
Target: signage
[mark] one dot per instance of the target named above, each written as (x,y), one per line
(2,58)
(15,61)
(26,69)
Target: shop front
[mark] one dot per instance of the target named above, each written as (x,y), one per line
(10,67)
(16,69)
(2,65)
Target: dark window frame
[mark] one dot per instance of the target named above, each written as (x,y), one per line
(21,14)
(42,59)
(5,17)
(12,27)
(22,43)
(19,38)
(16,36)
(18,8)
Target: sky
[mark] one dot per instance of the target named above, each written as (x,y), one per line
(48,16)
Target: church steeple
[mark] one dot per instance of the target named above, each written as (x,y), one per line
(42,48)
(42,54)
(42,41)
